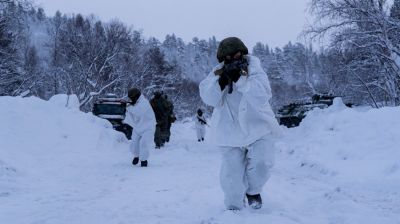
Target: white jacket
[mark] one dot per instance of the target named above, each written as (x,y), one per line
(140,116)
(241,118)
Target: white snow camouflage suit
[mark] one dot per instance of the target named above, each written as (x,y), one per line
(142,119)
(243,125)
(200,127)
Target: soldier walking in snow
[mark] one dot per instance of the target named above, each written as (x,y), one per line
(243,123)
(160,110)
(200,125)
(171,117)
(140,116)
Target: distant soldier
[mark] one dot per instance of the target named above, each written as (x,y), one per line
(171,118)
(139,115)
(200,125)
(159,106)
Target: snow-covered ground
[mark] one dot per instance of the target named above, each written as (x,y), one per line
(59,165)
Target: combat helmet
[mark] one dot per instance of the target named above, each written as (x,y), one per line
(229,46)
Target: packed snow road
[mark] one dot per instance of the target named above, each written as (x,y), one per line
(59,165)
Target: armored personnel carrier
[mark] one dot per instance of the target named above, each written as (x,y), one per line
(292,114)
(113,109)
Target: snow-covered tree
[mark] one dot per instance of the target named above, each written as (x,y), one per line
(10,75)
(361,31)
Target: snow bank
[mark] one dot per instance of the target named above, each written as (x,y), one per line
(68,101)
(36,134)
(345,164)
(347,143)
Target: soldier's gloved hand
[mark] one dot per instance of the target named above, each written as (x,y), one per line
(234,69)
(235,75)
(223,80)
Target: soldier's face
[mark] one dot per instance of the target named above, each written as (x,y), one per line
(233,57)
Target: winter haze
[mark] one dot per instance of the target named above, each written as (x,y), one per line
(268,21)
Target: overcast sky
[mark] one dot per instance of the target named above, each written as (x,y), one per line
(275,22)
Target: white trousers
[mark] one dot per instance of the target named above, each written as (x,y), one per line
(141,144)
(246,170)
(201,131)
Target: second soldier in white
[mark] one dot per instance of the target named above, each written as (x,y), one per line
(200,125)
(140,116)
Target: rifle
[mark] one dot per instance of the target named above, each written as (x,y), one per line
(202,121)
(236,65)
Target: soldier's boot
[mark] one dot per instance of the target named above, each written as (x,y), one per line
(135,161)
(158,142)
(254,201)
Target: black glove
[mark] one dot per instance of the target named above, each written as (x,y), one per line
(226,78)
(235,75)
(231,72)
(223,80)
(235,68)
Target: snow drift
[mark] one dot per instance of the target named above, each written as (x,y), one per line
(32,128)
(47,146)
(351,155)
(352,144)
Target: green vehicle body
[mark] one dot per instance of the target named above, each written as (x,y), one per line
(292,114)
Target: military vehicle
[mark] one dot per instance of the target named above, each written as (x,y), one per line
(291,115)
(113,109)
